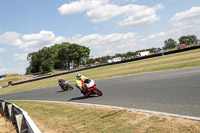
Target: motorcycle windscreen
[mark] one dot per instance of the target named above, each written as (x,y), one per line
(90,84)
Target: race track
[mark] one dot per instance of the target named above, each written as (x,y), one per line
(174,91)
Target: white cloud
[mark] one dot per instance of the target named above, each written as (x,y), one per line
(140,15)
(80,6)
(133,15)
(2,50)
(107,44)
(104,13)
(153,36)
(100,11)
(97,39)
(30,42)
(11,38)
(188,19)
(20,56)
(96,42)
(121,1)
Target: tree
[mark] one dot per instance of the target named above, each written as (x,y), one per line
(188,40)
(62,58)
(35,62)
(47,59)
(41,61)
(58,56)
(130,54)
(169,44)
(79,53)
(193,39)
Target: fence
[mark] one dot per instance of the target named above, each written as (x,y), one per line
(18,117)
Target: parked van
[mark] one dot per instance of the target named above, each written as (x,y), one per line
(116,59)
(144,53)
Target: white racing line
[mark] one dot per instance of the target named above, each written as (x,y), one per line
(123,108)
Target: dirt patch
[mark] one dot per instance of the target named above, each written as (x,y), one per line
(6,126)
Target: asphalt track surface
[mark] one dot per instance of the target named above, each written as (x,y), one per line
(173,91)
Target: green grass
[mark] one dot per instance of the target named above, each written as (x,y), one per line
(61,117)
(161,63)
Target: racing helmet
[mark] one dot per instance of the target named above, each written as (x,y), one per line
(59,79)
(78,75)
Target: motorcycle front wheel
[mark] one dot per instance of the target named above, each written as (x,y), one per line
(70,87)
(99,92)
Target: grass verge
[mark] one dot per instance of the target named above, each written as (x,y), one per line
(61,118)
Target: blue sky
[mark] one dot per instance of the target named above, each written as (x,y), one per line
(107,27)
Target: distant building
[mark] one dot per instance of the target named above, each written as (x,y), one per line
(143,53)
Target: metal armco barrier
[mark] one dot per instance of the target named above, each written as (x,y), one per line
(107,64)
(18,117)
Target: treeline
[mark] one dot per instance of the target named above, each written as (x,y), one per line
(129,54)
(168,44)
(59,56)
(188,40)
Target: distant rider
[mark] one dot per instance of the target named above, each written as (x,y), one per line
(61,81)
(79,85)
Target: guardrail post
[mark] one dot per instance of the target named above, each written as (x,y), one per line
(3,107)
(11,113)
(7,109)
(21,124)
(9,106)
(19,121)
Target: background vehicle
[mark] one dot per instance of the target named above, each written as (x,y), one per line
(143,53)
(159,51)
(109,61)
(116,59)
(2,77)
(181,46)
(66,86)
(91,88)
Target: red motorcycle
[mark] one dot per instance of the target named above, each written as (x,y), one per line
(90,88)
